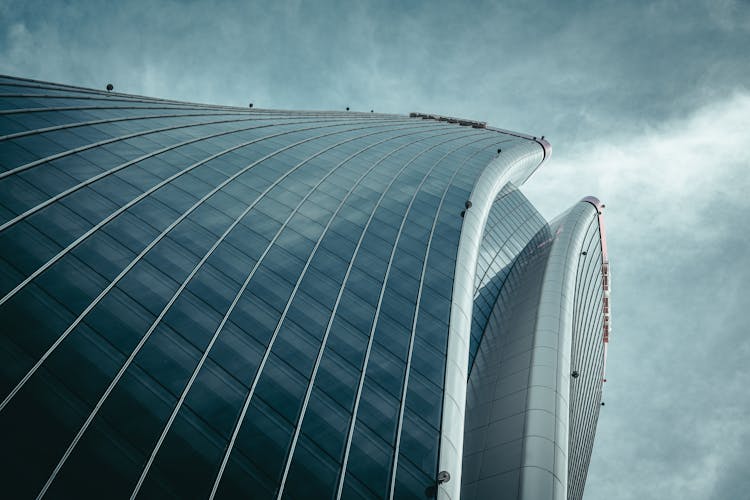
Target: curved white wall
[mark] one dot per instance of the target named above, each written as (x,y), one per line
(515,165)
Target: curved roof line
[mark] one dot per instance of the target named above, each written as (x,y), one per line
(600,209)
(544,143)
(606,279)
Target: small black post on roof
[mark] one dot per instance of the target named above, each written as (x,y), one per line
(250,105)
(110,87)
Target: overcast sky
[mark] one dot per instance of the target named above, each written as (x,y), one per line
(646,106)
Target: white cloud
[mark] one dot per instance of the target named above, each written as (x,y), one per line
(693,160)
(676,215)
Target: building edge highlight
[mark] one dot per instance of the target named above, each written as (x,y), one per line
(606,276)
(535,389)
(513,166)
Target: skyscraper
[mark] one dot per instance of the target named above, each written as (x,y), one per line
(208,301)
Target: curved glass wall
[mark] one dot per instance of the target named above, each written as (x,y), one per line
(210,301)
(205,301)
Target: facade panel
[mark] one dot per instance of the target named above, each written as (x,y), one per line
(535,388)
(208,301)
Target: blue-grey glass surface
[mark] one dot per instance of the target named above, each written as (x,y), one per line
(208,301)
(512,223)
(587,359)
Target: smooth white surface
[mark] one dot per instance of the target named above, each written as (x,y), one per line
(515,164)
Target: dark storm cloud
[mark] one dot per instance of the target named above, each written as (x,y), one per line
(646,105)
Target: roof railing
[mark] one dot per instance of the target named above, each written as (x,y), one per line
(450,119)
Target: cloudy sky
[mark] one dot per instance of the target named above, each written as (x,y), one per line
(647,107)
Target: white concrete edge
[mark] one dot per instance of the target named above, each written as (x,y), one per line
(555,314)
(515,164)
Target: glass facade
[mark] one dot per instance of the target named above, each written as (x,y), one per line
(535,389)
(206,301)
